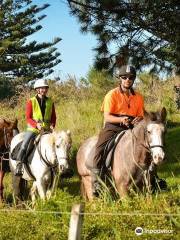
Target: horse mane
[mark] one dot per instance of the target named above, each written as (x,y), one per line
(149,117)
(51,137)
(8,123)
(66,135)
(158,116)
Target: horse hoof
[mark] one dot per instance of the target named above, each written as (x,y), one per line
(48,194)
(2,201)
(67,173)
(162,184)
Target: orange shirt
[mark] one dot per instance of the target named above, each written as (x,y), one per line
(116,102)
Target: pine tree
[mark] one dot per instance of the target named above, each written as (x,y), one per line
(22,60)
(143,33)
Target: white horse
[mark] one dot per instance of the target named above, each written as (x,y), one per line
(51,154)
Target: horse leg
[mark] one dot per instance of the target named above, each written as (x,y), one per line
(23,185)
(16,189)
(122,188)
(41,187)
(87,187)
(51,190)
(33,193)
(2,173)
(82,189)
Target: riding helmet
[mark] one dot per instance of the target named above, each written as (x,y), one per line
(125,70)
(40,83)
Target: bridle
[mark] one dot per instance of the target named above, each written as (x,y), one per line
(4,152)
(45,159)
(148,146)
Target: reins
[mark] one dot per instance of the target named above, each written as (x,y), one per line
(144,172)
(45,160)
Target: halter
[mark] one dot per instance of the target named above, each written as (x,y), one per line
(149,147)
(153,146)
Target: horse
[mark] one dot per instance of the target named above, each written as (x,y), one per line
(8,129)
(138,149)
(49,158)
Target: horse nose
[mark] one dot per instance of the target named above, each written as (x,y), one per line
(158,159)
(61,167)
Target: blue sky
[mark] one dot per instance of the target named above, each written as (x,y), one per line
(75,48)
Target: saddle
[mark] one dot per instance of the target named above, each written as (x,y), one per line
(110,148)
(28,154)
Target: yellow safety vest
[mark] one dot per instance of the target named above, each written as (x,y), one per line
(37,114)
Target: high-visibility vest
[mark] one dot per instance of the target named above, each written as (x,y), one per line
(37,114)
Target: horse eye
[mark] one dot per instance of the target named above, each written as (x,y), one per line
(148,131)
(57,146)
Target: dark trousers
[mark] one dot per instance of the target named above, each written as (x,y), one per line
(27,137)
(105,135)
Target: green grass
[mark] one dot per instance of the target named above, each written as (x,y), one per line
(105,218)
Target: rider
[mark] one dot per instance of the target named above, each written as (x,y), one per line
(40,115)
(120,106)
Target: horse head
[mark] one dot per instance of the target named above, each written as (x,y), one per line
(62,145)
(8,129)
(155,129)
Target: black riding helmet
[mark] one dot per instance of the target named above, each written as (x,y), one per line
(125,70)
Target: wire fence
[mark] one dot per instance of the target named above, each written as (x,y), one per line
(88,213)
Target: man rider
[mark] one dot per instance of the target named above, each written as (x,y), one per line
(40,115)
(119,105)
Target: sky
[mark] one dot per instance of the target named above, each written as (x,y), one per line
(75,48)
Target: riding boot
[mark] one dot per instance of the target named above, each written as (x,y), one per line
(95,175)
(156,182)
(19,166)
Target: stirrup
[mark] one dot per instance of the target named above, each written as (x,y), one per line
(19,169)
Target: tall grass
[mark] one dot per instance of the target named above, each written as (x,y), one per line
(78,109)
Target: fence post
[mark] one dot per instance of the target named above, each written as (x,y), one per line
(76,222)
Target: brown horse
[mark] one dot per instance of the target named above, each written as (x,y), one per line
(136,151)
(8,129)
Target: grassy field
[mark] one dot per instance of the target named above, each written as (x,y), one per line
(105,218)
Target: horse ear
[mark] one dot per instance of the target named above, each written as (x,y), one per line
(52,129)
(7,123)
(150,116)
(1,122)
(68,132)
(146,115)
(15,123)
(163,114)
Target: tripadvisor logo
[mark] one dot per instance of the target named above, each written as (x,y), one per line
(138,231)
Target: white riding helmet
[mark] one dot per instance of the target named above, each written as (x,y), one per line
(40,83)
